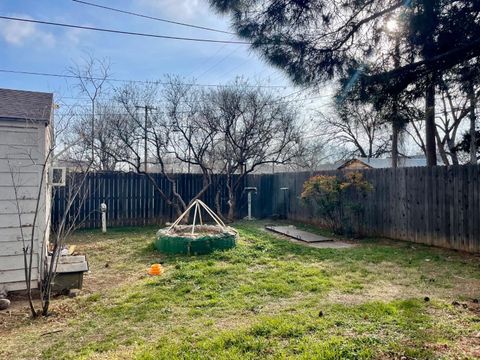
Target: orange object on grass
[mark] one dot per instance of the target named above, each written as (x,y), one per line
(155,269)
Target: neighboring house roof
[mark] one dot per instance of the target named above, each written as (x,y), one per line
(25,105)
(375,163)
(325,167)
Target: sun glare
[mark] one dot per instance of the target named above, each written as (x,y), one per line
(392,25)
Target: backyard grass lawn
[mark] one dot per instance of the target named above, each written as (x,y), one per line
(267,298)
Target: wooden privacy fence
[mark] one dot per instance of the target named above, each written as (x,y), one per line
(131,198)
(437,206)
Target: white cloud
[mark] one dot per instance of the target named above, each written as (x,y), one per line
(179,9)
(18,33)
(73,36)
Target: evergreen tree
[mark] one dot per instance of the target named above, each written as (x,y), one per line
(314,41)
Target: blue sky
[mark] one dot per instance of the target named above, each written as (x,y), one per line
(42,48)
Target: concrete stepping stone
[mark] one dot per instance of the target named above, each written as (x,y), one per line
(293,232)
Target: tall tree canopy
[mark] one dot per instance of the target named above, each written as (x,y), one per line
(317,40)
(314,41)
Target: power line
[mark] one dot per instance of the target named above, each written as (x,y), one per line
(293,93)
(277,101)
(153,17)
(122,32)
(206,61)
(34,73)
(217,63)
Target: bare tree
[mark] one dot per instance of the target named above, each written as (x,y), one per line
(313,152)
(172,134)
(92,75)
(28,239)
(43,195)
(455,108)
(76,195)
(355,130)
(231,131)
(107,114)
(191,142)
(252,128)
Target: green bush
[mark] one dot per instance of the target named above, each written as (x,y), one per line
(337,201)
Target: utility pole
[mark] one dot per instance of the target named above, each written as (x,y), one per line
(93,131)
(145,108)
(189,148)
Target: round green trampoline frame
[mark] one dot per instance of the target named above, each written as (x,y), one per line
(196,239)
(208,238)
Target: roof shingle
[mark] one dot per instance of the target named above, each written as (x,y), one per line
(27,105)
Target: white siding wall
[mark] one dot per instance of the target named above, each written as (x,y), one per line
(22,153)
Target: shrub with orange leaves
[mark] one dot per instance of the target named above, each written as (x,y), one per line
(335,200)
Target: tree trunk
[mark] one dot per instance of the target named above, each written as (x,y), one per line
(395,131)
(473,118)
(453,152)
(218,205)
(430,20)
(395,123)
(430,143)
(441,148)
(232,205)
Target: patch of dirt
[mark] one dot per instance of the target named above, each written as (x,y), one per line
(61,309)
(380,291)
(234,322)
(469,347)
(464,347)
(289,304)
(98,279)
(103,280)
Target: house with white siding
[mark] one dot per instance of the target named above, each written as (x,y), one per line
(25,134)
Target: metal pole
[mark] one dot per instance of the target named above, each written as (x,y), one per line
(145,134)
(93,132)
(189,147)
(145,140)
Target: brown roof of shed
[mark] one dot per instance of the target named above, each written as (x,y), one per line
(26,105)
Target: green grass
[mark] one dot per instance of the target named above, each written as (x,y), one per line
(267,298)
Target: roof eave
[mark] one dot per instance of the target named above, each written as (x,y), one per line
(23,119)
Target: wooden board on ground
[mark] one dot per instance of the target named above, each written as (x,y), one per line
(293,232)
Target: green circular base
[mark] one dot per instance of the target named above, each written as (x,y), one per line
(207,239)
